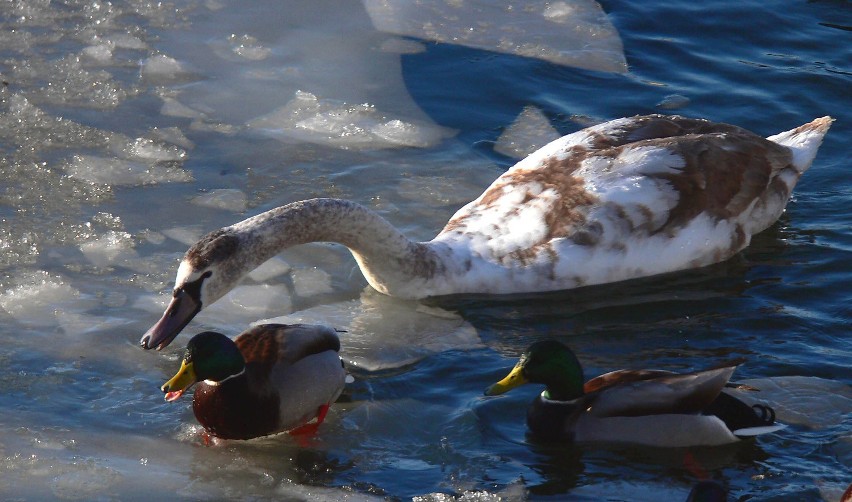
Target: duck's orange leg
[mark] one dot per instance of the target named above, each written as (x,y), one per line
(311,428)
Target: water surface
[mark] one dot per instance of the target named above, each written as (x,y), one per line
(128,129)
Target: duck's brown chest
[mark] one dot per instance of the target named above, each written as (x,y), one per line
(230,411)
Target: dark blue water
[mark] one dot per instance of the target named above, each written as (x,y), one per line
(82,416)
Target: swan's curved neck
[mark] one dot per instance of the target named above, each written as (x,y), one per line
(388,259)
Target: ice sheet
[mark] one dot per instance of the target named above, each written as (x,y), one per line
(573,32)
(385,333)
(809,401)
(36,296)
(529,132)
(230,199)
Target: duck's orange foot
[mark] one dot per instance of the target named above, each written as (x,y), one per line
(310,428)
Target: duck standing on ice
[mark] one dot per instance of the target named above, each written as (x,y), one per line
(628,198)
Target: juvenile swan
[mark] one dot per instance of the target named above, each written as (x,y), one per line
(628,198)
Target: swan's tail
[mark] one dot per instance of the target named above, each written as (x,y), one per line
(804,141)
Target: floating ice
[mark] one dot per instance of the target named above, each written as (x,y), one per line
(402,46)
(229,199)
(26,124)
(101,53)
(125,41)
(309,118)
(111,171)
(385,333)
(184,235)
(172,135)
(311,282)
(112,248)
(248,47)
(76,323)
(529,132)
(163,69)
(174,108)
(271,268)
(809,401)
(147,149)
(673,102)
(36,296)
(574,32)
(83,479)
(246,304)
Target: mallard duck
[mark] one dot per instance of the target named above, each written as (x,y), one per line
(271,378)
(650,407)
(628,198)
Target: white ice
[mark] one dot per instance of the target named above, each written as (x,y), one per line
(529,132)
(572,32)
(271,268)
(311,282)
(307,117)
(36,297)
(812,402)
(114,171)
(111,248)
(230,199)
(385,333)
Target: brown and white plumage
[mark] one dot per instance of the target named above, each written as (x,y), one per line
(628,198)
(271,378)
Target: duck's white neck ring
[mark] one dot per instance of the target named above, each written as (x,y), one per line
(235,375)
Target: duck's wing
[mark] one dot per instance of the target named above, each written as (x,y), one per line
(665,394)
(620,377)
(266,346)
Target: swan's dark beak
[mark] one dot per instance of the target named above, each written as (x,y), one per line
(180,311)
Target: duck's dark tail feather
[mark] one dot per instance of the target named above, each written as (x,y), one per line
(742,419)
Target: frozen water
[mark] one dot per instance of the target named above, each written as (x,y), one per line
(172,135)
(529,132)
(174,108)
(361,126)
(673,102)
(245,304)
(101,53)
(83,480)
(809,401)
(147,149)
(311,282)
(36,296)
(574,32)
(112,248)
(230,199)
(271,268)
(162,69)
(384,333)
(113,171)
(248,47)
(185,235)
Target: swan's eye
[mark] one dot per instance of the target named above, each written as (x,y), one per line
(193,289)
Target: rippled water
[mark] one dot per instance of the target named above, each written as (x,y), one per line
(128,129)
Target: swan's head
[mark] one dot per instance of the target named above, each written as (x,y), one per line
(208,270)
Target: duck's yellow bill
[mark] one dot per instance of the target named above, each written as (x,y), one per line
(515,378)
(183,379)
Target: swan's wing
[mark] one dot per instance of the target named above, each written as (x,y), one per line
(686,393)
(640,176)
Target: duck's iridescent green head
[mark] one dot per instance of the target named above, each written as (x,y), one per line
(547,362)
(209,356)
